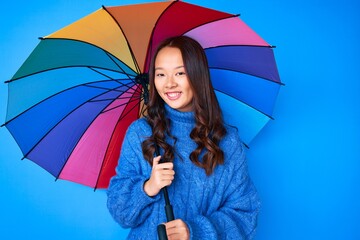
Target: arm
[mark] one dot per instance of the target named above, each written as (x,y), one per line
(236,216)
(127,202)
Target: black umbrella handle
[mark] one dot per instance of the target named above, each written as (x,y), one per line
(161,229)
(168,208)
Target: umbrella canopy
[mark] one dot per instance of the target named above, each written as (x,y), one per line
(73,98)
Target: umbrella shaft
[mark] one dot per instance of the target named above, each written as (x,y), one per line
(169,213)
(168,208)
(166,196)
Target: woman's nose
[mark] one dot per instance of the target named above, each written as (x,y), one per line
(170,83)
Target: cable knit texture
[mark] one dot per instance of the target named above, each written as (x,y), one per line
(221,206)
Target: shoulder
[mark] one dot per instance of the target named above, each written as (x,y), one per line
(139,128)
(233,147)
(140,124)
(232,138)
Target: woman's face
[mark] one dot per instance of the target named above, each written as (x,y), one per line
(171,81)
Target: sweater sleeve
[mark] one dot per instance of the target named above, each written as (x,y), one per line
(236,217)
(127,202)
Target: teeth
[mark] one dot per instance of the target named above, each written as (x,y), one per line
(173,95)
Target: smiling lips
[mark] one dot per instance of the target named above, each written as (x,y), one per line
(173,95)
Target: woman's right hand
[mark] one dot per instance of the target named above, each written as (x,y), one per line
(161,175)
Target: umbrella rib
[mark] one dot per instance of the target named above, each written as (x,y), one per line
(127,41)
(110,99)
(43,39)
(57,177)
(131,97)
(50,69)
(150,49)
(84,85)
(215,20)
(133,85)
(112,89)
(124,72)
(123,104)
(267,79)
(123,116)
(118,65)
(118,80)
(106,52)
(246,104)
(25,155)
(102,164)
(105,75)
(240,45)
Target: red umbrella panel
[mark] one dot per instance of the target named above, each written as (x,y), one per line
(73,98)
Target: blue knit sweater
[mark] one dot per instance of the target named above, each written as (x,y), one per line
(221,206)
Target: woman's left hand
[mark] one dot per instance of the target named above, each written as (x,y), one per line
(177,230)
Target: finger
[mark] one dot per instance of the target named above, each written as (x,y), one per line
(174,223)
(166,180)
(176,233)
(168,176)
(175,236)
(171,231)
(167,172)
(156,160)
(167,165)
(166,183)
(176,226)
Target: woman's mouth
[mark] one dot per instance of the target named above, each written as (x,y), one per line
(173,95)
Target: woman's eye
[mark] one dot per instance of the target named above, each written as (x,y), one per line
(159,75)
(181,73)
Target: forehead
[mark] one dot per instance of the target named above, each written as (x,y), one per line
(169,56)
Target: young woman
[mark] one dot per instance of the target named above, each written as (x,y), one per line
(205,170)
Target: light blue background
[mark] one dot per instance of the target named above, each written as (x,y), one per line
(305,164)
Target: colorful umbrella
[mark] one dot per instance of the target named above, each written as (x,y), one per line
(73,98)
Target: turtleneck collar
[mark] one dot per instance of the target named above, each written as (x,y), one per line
(177,116)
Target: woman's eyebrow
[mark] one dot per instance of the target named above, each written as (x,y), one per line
(161,68)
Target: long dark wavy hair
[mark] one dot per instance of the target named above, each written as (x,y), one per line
(209,128)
